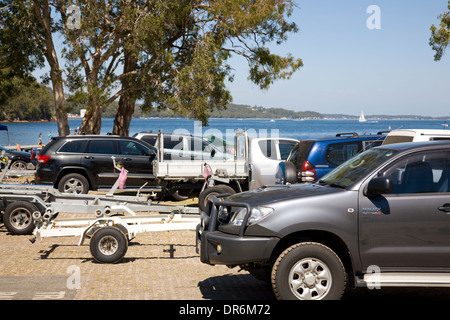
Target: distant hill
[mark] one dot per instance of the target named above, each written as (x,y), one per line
(236,111)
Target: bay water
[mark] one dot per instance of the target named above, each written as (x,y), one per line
(28,133)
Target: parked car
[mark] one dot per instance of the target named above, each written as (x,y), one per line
(412,135)
(311,159)
(380,219)
(184,147)
(81,163)
(20,160)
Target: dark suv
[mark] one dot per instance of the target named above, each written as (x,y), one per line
(311,159)
(81,163)
(380,219)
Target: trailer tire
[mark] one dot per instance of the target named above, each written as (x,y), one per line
(219,189)
(18,217)
(108,245)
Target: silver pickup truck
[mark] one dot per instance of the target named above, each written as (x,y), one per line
(252,163)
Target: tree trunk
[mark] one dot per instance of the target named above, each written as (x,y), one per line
(60,103)
(127,100)
(42,13)
(92,121)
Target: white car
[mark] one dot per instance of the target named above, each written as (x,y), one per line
(413,135)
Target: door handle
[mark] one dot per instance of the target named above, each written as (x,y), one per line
(88,157)
(445,207)
(127,159)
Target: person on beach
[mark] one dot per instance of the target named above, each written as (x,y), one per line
(40,140)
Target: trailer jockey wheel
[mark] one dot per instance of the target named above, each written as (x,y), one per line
(108,245)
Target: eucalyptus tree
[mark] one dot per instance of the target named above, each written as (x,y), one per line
(440,37)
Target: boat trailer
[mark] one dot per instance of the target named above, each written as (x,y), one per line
(33,209)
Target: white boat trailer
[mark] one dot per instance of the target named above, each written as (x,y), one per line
(109,236)
(34,209)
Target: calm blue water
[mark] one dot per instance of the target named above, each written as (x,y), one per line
(28,133)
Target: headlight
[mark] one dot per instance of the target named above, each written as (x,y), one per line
(256,215)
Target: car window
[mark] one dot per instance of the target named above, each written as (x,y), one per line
(420,173)
(74,146)
(285,148)
(268,148)
(300,152)
(338,153)
(397,139)
(173,142)
(149,139)
(357,167)
(102,147)
(133,148)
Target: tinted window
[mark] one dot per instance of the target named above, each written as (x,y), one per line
(397,139)
(170,142)
(300,152)
(338,153)
(102,147)
(285,149)
(423,172)
(150,139)
(133,148)
(74,146)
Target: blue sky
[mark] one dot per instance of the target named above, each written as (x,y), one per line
(349,68)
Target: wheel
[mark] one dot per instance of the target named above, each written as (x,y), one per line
(73,183)
(18,165)
(204,196)
(18,217)
(308,271)
(108,245)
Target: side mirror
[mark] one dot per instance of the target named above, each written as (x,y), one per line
(378,186)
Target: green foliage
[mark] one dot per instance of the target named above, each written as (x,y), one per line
(440,37)
(29,102)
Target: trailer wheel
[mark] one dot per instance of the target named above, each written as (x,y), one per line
(108,245)
(204,196)
(18,217)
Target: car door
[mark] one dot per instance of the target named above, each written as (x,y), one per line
(410,227)
(97,160)
(137,159)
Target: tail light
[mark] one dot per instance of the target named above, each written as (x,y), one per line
(308,173)
(42,159)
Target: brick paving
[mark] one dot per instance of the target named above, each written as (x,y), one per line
(49,269)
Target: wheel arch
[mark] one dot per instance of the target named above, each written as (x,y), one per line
(69,170)
(326,238)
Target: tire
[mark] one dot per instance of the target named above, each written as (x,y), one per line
(308,271)
(18,165)
(204,196)
(108,245)
(18,217)
(73,183)
(290,172)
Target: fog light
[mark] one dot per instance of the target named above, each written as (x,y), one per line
(219,249)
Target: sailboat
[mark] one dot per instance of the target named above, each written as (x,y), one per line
(362,118)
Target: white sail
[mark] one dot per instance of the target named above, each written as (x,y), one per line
(362,118)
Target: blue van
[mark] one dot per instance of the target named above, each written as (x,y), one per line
(311,159)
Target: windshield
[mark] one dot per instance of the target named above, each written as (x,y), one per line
(356,168)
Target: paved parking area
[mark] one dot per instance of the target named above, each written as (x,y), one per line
(59,269)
